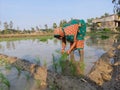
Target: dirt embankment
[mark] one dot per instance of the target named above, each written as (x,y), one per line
(49,78)
(114,82)
(25,35)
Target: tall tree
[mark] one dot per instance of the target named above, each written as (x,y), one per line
(32,29)
(46,26)
(6,25)
(106,14)
(89,21)
(11,25)
(62,23)
(54,25)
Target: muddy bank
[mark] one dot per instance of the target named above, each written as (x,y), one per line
(48,78)
(114,83)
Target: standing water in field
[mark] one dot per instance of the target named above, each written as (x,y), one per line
(40,52)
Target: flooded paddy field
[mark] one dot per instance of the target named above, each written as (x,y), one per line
(41,52)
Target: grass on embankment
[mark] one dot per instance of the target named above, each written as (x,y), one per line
(41,38)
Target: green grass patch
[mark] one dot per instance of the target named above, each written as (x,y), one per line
(103,37)
(45,38)
(5,64)
(4,80)
(41,38)
(65,66)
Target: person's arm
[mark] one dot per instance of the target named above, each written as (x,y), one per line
(63,45)
(71,47)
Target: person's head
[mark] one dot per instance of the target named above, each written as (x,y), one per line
(58,33)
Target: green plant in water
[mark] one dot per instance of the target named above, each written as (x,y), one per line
(5,64)
(104,37)
(45,63)
(8,66)
(38,61)
(64,56)
(4,80)
(55,63)
(62,61)
(59,63)
(73,68)
(18,69)
(82,66)
(62,65)
(27,76)
(45,38)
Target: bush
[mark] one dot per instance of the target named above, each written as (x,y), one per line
(106,29)
(118,29)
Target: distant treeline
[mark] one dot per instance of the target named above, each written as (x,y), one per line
(8,27)
(13,31)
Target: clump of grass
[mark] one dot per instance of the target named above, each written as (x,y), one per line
(4,63)
(73,68)
(27,76)
(62,61)
(45,63)
(55,63)
(104,37)
(8,66)
(45,38)
(4,80)
(18,69)
(82,66)
(68,67)
(59,63)
(37,61)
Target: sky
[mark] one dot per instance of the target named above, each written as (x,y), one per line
(32,13)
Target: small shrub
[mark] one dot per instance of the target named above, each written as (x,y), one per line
(104,37)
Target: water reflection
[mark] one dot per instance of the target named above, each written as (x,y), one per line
(99,43)
(34,49)
(31,49)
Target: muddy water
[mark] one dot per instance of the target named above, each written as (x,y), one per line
(41,52)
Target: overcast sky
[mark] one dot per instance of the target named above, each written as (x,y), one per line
(32,13)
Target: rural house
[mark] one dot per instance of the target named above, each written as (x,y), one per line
(112,22)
